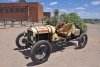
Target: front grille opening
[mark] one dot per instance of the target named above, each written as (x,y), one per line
(44,36)
(29,34)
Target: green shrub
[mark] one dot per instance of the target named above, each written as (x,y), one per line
(51,21)
(68,18)
(74,19)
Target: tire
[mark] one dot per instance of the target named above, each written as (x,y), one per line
(82,40)
(36,47)
(20,45)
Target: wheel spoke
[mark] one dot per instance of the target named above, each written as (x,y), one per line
(22,37)
(21,41)
(83,41)
(41,52)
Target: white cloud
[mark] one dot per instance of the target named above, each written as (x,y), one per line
(53,3)
(81,13)
(93,15)
(95,2)
(71,9)
(86,5)
(42,3)
(65,11)
(12,0)
(46,9)
(80,8)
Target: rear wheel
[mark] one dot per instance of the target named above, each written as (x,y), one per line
(82,40)
(40,52)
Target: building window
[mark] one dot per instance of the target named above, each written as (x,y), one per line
(5,7)
(4,10)
(8,10)
(23,9)
(14,10)
(0,10)
(19,10)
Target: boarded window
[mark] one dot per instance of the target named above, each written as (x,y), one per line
(19,10)
(0,10)
(4,10)
(14,10)
(23,9)
(8,10)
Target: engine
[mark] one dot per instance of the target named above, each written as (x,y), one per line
(39,33)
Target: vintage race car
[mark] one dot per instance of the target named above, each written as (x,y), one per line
(40,38)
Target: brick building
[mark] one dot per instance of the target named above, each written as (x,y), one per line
(47,14)
(22,10)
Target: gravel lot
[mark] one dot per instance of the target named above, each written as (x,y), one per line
(62,56)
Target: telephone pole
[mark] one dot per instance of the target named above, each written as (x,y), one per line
(58,14)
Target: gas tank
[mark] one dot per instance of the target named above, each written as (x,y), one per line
(42,29)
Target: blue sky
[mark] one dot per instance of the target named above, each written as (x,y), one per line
(84,8)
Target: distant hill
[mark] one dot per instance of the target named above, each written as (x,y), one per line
(92,21)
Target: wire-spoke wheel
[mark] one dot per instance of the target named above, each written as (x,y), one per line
(40,52)
(82,40)
(21,41)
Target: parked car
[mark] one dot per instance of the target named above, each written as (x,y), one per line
(41,37)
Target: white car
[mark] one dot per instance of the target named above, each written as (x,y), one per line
(41,37)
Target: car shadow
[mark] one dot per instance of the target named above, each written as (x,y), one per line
(2,28)
(16,49)
(55,48)
(26,53)
(61,46)
(31,64)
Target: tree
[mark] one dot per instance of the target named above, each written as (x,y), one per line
(63,17)
(74,19)
(68,18)
(53,20)
(22,1)
(56,13)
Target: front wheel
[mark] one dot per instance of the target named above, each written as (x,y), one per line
(21,41)
(82,40)
(40,51)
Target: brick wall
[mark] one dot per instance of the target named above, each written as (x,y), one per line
(40,12)
(30,13)
(47,14)
(13,15)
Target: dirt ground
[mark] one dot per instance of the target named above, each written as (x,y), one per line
(61,56)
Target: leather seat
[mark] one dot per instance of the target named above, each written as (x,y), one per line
(59,25)
(65,29)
